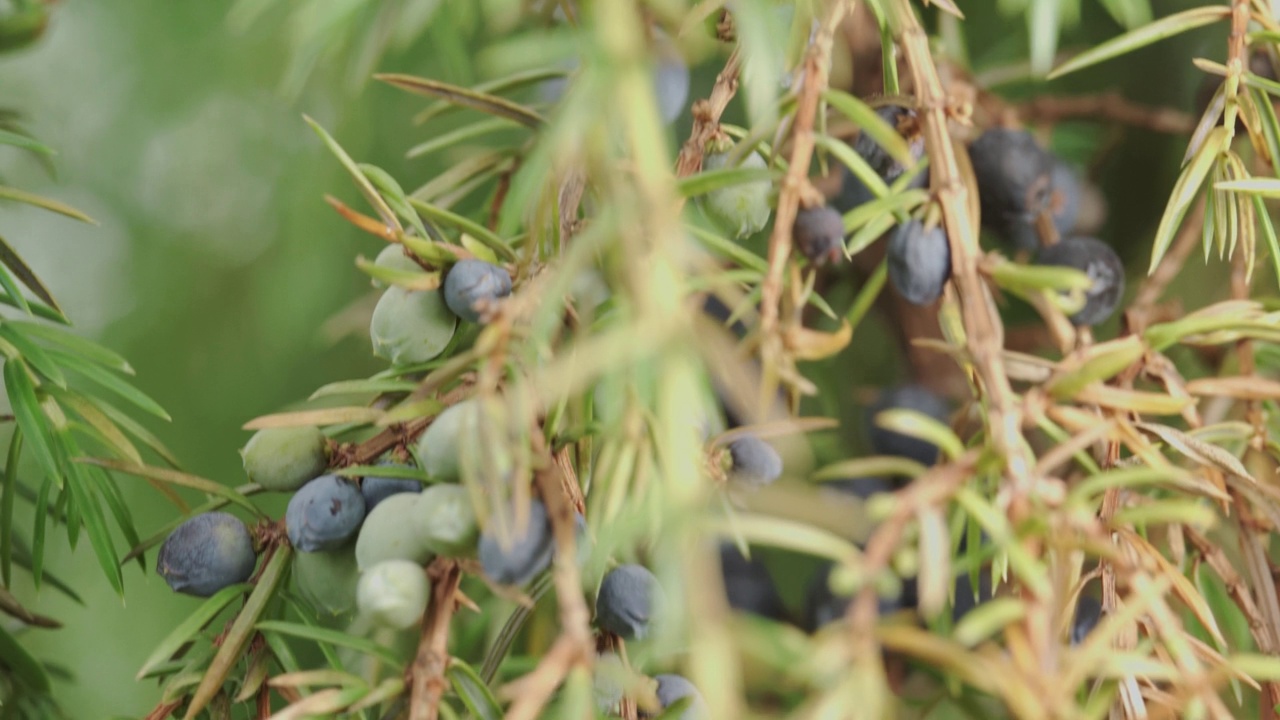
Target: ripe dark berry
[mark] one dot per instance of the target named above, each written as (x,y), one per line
(671,84)
(823,606)
(207,553)
(472,285)
(628,601)
(715,308)
(965,600)
(819,234)
(862,487)
(1015,182)
(528,554)
(919,262)
(1088,613)
(754,461)
(324,514)
(853,192)
(890,442)
(673,688)
(905,121)
(1068,193)
(376,489)
(748,586)
(1097,260)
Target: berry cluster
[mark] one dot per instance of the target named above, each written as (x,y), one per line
(1017,183)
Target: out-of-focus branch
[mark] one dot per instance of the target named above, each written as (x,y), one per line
(1110,107)
(706,117)
(427,681)
(795,183)
(983,329)
(575,645)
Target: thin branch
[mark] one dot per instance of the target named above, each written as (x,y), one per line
(706,117)
(984,332)
(932,488)
(1153,286)
(373,448)
(575,645)
(426,680)
(532,691)
(10,606)
(1235,585)
(1111,107)
(795,185)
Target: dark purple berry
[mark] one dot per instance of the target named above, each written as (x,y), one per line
(754,461)
(823,606)
(1097,260)
(890,442)
(628,601)
(819,234)
(1088,613)
(1015,183)
(919,262)
(207,553)
(965,599)
(528,554)
(673,688)
(471,283)
(1068,193)
(324,514)
(376,489)
(863,487)
(853,192)
(748,586)
(905,121)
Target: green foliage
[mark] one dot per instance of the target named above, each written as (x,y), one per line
(1141,456)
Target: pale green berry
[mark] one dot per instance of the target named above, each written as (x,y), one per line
(411,327)
(284,459)
(446,522)
(328,579)
(394,593)
(740,210)
(438,445)
(392,257)
(388,533)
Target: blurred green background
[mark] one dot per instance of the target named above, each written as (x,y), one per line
(217,264)
(214,269)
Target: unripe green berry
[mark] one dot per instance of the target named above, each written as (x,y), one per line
(328,579)
(394,593)
(284,459)
(446,521)
(411,327)
(389,533)
(454,440)
(392,257)
(740,210)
